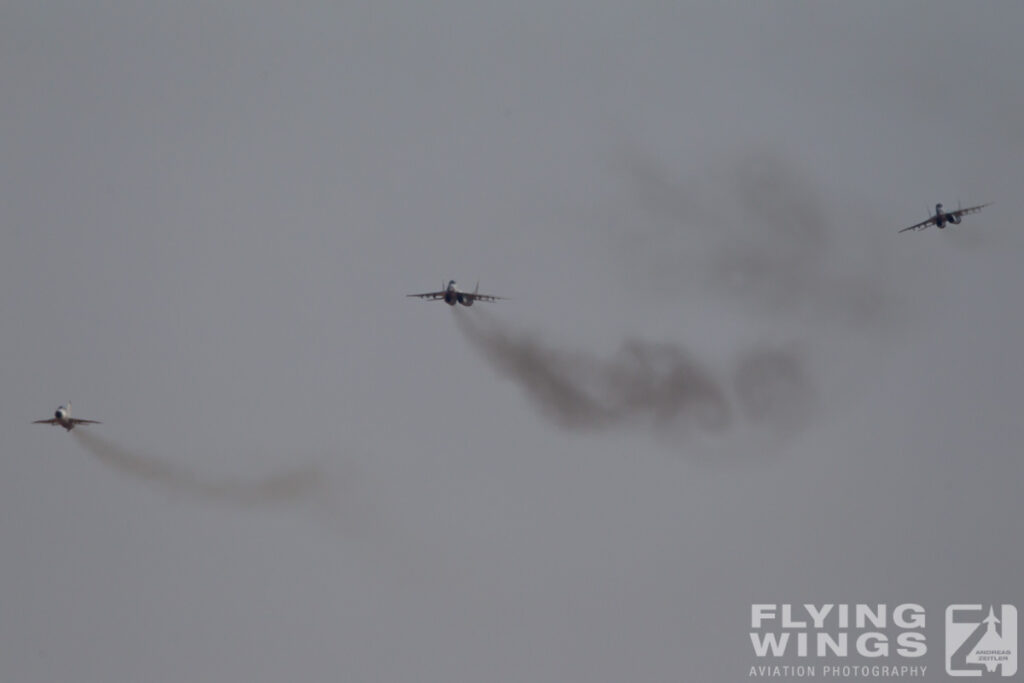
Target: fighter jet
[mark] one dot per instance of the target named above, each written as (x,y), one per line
(451,295)
(63,418)
(941,217)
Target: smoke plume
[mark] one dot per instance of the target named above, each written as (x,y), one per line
(756,230)
(287,486)
(647,384)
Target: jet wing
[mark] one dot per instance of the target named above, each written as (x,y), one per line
(51,421)
(969,209)
(429,296)
(481,297)
(921,226)
(76,421)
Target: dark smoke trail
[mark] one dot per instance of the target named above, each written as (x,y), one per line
(291,485)
(660,384)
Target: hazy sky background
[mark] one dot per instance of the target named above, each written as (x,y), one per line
(211,215)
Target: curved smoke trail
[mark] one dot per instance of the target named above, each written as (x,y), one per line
(660,385)
(290,485)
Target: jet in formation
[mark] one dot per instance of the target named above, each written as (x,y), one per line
(941,218)
(62,417)
(451,295)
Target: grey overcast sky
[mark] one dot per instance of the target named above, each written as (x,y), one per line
(211,213)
